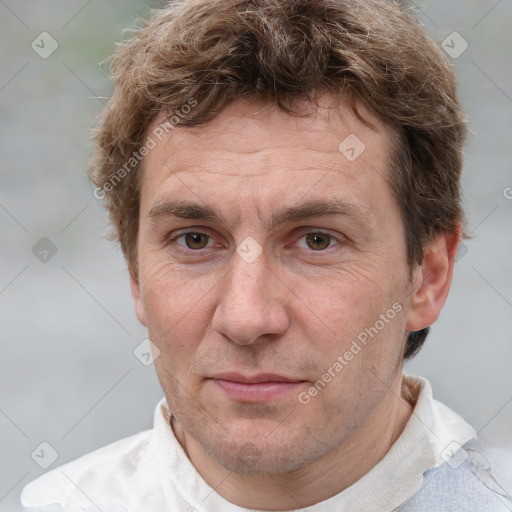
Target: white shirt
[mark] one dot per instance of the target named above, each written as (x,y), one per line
(150,472)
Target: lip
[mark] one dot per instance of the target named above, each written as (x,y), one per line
(255,388)
(253,379)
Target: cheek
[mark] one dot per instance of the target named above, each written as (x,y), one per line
(173,313)
(362,321)
(348,301)
(168,297)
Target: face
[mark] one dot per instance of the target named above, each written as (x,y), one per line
(273,280)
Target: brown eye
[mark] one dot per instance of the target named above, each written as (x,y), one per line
(318,241)
(196,240)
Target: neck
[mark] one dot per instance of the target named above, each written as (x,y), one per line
(317,481)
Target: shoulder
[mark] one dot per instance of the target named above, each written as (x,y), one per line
(474,477)
(107,472)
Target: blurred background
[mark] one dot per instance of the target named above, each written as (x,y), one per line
(68,373)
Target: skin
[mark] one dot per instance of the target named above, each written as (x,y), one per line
(293,310)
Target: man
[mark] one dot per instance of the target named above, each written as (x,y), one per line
(283,178)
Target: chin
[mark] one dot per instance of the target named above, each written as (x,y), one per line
(260,455)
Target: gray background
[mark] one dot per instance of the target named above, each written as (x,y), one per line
(68,375)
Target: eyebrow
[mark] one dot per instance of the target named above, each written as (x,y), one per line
(304,211)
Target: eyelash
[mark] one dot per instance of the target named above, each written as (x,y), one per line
(338,239)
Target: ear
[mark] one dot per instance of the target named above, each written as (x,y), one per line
(139,305)
(432,280)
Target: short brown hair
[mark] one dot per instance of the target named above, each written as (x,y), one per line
(217,51)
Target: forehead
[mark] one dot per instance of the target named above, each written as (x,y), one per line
(252,147)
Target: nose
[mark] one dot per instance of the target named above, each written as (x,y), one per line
(252,303)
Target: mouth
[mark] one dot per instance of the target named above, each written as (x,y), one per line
(256,388)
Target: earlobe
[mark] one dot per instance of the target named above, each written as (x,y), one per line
(136,294)
(432,280)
